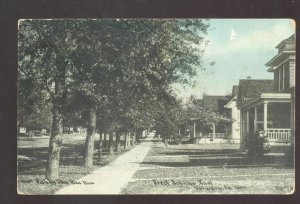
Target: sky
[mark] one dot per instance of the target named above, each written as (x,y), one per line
(239,56)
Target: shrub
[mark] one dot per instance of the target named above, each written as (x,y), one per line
(176,139)
(257,145)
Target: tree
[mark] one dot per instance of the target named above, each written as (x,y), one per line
(34,110)
(45,48)
(117,67)
(161,52)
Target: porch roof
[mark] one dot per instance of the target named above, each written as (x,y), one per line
(251,89)
(268,97)
(221,118)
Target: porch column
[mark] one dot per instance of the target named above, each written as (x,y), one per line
(255,119)
(265,115)
(194,129)
(214,130)
(241,129)
(292,120)
(247,122)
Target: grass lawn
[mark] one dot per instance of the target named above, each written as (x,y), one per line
(32,158)
(210,169)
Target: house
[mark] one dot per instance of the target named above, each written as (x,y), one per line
(268,105)
(211,123)
(234,113)
(215,103)
(249,90)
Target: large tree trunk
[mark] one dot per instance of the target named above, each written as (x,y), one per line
(59,99)
(89,143)
(138,135)
(104,142)
(100,147)
(55,142)
(110,145)
(126,141)
(133,141)
(117,147)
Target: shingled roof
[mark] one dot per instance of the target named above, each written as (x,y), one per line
(252,88)
(215,103)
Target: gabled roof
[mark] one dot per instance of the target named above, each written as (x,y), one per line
(214,103)
(229,102)
(252,88)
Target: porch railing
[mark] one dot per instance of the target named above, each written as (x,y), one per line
(278,135)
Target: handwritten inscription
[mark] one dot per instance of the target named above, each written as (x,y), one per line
(197,184)
(56,182)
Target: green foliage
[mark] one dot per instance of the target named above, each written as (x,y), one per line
(177,139)
(124,67)
(256,145)
(34,110)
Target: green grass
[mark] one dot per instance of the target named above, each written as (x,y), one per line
(220,168)
(32,158)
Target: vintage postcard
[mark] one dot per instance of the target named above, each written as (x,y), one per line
(156,106)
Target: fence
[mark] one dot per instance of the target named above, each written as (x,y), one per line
(278,134)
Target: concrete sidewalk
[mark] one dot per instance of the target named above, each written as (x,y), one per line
(111,178)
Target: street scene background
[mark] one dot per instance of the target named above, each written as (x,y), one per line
(148,106)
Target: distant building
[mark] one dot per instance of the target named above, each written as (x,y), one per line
(215,103)
(218,129)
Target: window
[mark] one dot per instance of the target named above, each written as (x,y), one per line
(286,72)
(281,49)
(276,79)
(281,79)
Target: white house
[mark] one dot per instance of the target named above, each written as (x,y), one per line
(269,105)
(235,116)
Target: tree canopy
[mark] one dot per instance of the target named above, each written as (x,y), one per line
(120,69)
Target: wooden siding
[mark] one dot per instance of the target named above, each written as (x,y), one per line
(292,73)
(276,80)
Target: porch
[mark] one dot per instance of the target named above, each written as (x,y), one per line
(271,113)
(212,132)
